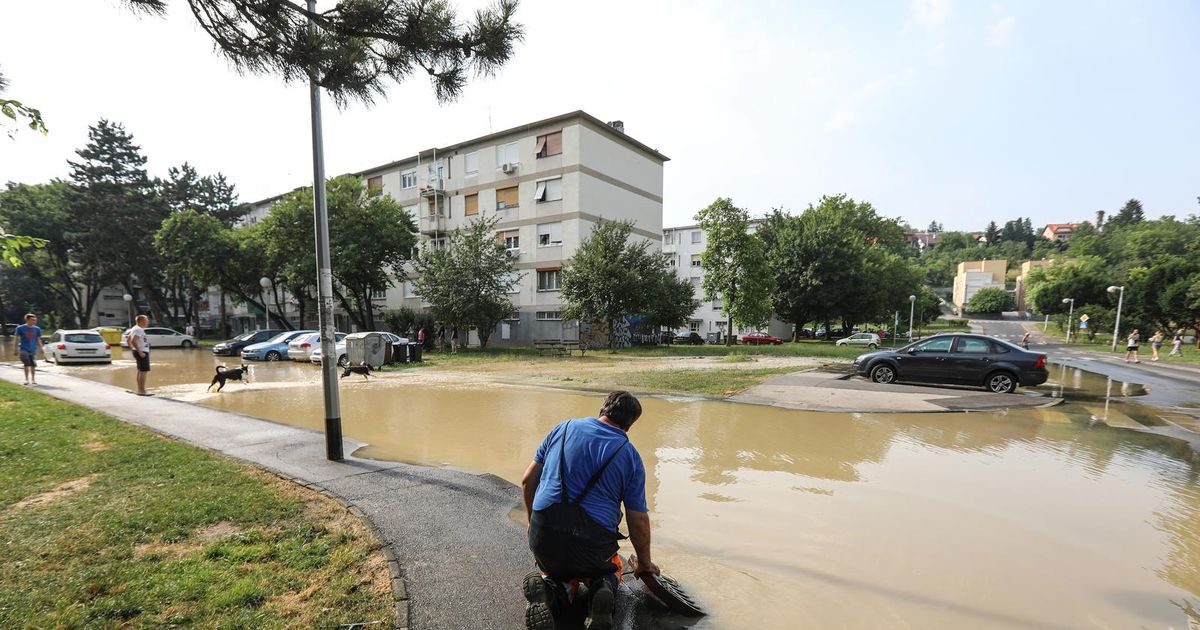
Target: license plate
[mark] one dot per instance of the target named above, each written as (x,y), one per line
(85,350)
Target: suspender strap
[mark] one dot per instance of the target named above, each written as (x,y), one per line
(562,474)
(596,477)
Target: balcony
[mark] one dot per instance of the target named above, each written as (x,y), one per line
(434,188)
(431,224)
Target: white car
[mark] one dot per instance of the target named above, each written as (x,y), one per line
(163,338)
(869,340)
(77,346)
(302,347)
(315,356)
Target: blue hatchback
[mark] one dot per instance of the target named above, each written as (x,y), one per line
(273,349)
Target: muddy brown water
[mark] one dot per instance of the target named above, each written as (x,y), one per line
(774,518)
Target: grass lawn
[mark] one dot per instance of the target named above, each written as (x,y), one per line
(108,525)
(716,382)
(806,348)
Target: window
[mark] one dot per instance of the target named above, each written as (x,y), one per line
(694,325)
(941,344)
(506,154)
(547,280)
(514,316)
(409,290)
(972,346)
(511,240)
(549,144)
(549,234)
(718,303)
(408,179)
(549,315)
(506,198)
(471,164)
(378,294)
(696,261)
(515,278)
(437,243)
(548,190)
(696,236)
(412,210)
(375,183)
(471,204)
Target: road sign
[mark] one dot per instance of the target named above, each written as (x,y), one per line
(1083,318)
(1083,325)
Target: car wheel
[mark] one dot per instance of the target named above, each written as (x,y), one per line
(872,346)
(1001,383)
(273,356)
(883,374)
(342,362)
(187,345)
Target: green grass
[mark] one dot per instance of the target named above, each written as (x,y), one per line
(166,533)
(806,348)
(714,382)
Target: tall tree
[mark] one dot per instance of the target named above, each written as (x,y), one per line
(467,281)
(357,45)
(184,189)
(1100,220)
(735,265)
(991,233)
(935,227)
(1129,214)
(610,276)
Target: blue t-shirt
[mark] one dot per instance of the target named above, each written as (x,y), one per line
(590,442)
(29,336)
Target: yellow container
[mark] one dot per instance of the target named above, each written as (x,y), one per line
(111,335)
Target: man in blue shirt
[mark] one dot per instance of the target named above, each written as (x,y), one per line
(573,490)
(29,340)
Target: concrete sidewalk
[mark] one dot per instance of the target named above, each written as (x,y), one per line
(456,557)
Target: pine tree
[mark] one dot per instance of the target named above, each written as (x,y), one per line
(991,233)
(1130,214)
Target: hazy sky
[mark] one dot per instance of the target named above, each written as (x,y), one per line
(930,109)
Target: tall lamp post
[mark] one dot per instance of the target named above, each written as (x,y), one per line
(128,308)
(265,283)
(1070,316)
(1120,300)
(912,304)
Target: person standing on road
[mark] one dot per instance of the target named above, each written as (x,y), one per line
(421,336)
(1131,346)
(1155,344)
(573,490)
(139,344)
(29,340)
(1177,344)
(1025,341)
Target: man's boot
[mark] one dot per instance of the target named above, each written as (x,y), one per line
(538,615)
(600,609)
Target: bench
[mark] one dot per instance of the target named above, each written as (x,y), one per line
(562,347)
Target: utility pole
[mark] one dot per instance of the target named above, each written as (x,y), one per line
(329,381)
(1120,303)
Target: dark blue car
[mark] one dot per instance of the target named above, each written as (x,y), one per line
(957,359)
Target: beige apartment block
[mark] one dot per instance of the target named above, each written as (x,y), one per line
(1023,280)
(975,275)
(547,183)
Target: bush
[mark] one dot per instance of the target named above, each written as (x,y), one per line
(990,300)
(405,322)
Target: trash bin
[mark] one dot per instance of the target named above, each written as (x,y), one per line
(414,351)
(111,336)
(366,347)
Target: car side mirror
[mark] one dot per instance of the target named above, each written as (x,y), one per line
(912,350)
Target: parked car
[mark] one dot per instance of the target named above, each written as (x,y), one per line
(273,349)
(758,339)
(77,346)
(869,340)
(315,355)
(691,338)
(301,347)
(959,359)
(233,347)
(163,338)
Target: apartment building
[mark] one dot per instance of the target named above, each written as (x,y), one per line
(684,244)
(975,275)
(547,183)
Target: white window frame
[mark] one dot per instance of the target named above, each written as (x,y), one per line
(549,316)
(512,244)
(695,261)
(545,287)
(694,325)
(507,150)
(379,294)
(408,179)
(548,190)
(696,238)
(468,171)
(549,234)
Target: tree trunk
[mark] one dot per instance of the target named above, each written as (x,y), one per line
(224,316)
(729,340)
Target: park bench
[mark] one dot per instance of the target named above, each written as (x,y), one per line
(562,347)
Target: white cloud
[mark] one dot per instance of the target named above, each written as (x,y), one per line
(930,13)
(847,112)
(1001,31)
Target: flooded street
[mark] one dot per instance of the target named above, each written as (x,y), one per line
(775,518)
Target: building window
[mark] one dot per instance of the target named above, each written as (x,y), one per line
(511,240)
(718,303)
(471,164)
(549,144)
(412,210)
(378,294)
(547,280)
(506,198)
(408,179)
(409,290)
(471,203)
(549,234)
(696,236)
(696,260)
(694,325)
(546,316)
(548,190)
(438,243)
(721,325)
(514,316)
(375,183)
(506,154)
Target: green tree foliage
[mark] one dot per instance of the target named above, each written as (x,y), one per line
(991,233)
(357,45)
(186,189)
(1129,214)
(735,266)
(610,277)
(468,280)
(990,300)
(20,113)
(12,244)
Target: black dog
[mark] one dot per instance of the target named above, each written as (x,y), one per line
(225,374)
(363,369)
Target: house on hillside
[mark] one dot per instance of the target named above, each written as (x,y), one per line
(1059,231)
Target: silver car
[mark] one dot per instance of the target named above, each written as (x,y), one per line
(868,340)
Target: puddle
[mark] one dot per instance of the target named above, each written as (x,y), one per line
(1032,518)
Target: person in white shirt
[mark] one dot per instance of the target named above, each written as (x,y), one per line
(139,344)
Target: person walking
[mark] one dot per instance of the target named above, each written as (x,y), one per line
(421,336)
(1131,346)
(29,340)
(582,473)
(139,344)
(454,339)
(1025,341)
(1155,344)
(1176,344)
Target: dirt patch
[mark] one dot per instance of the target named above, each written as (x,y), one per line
(60,491)
(95,444)
(217,531)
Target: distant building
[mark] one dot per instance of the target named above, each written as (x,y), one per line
(1019,295)
(975,275)
(1059,231)
(921,240)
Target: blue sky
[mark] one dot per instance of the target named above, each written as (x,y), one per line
(957,111)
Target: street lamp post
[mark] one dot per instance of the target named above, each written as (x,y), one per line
(128,308)
(1120,301)
(265,283)
(1070,316)
(912,303)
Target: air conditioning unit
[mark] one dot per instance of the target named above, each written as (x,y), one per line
(508,167)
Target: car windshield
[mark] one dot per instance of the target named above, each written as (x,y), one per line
(940,344)
(283,336)
(246,336)
(84,338)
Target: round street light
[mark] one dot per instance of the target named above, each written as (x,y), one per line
(128,307)
(265,283)
(1120,300)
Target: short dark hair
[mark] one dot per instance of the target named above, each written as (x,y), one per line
(30,316)
(621,407)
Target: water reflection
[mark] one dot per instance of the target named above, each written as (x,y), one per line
(782,519)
